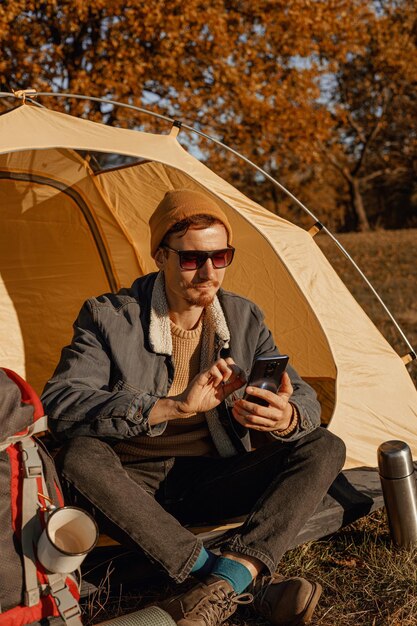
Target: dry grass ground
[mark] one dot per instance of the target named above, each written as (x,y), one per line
(366,581)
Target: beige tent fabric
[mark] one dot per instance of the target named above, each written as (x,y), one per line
(46,257)
(67,234)
(257,272)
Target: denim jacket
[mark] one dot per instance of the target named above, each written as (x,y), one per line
(119,364)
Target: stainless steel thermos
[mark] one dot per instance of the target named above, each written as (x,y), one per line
(399,489)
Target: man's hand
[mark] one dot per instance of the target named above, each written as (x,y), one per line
(204,393)
(209,388)
(275,416)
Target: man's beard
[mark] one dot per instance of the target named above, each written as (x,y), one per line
(200,299)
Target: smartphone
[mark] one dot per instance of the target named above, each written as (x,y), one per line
(266,373)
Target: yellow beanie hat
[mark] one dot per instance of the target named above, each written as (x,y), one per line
(179,205)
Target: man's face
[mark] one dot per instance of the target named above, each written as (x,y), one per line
(198,287)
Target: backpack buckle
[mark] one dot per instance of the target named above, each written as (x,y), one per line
(67,605)
(32,464)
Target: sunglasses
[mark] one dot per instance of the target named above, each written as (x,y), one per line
(195,259)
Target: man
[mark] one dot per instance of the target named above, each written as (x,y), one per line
(149,399)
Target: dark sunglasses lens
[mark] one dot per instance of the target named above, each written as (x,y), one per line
(222,258)
(192,260)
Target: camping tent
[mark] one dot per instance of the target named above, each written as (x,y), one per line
(69,232)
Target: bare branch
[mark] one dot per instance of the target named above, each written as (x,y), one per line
(360,132)
(374,131)
(343,169)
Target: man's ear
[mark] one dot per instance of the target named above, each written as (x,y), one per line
(160,258)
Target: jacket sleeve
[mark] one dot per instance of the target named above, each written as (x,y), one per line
(79,399)
(304,397)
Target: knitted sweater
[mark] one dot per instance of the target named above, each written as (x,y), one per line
(188,436)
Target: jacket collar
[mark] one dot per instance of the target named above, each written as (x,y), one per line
(159,329)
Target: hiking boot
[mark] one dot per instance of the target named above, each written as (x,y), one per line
(285,601)
(207,604)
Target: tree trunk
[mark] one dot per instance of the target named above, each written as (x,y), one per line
(358,206)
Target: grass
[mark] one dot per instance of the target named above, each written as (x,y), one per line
(366,580)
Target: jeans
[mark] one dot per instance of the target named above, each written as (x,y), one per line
(148,503)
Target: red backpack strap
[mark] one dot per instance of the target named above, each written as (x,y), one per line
(29,395)
(37,589)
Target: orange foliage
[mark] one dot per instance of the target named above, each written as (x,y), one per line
(252,73)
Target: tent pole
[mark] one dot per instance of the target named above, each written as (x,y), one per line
(34,94)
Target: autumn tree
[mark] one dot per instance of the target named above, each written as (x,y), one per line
(251,73)
(373,110)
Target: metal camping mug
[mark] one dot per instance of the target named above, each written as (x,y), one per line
(69,535)
(399,488)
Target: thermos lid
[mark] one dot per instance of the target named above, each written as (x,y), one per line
(395,460)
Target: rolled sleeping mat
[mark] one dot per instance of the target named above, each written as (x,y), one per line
(151,616)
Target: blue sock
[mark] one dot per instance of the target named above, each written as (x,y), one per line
(205,561)
(234,572)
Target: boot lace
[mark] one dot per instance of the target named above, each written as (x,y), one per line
(220,605)
(261,586)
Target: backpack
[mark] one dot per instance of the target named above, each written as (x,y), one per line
(29,487)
